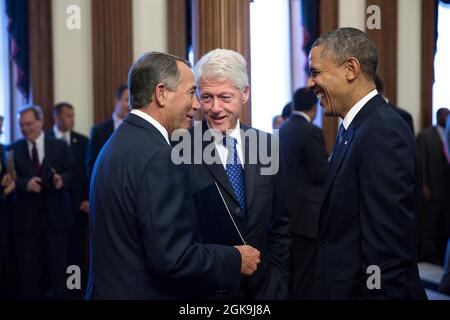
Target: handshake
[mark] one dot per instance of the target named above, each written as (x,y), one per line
(250,259)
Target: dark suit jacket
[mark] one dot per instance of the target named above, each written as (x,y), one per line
(142,224)
(26,214)
(99,135)
(368,216)
(306,160)
(266,227)
(433,160)
(79,188)
(405,115)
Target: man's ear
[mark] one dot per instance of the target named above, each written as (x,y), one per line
(245,94)
(353,69)
(161,94)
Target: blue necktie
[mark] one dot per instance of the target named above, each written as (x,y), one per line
(337,145)
(235,172)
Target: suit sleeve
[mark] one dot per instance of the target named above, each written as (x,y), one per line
(387,176)
(166,223)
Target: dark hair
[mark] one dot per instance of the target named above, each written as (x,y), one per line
(287,110)
(304,99)
(58,108)
(120,90)
(379,83)
(37,111)
(149,70)
(440,112)
(343,43)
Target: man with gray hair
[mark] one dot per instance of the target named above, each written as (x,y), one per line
(367,246)
(252,201)
(141,212)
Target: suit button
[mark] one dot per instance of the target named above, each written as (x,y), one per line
(238,210)
(322,242)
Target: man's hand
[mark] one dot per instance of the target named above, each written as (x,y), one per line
(84,207)
(8,184)
(58,181)
(250,259)
(34,185)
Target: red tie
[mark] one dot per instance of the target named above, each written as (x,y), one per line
(35,159)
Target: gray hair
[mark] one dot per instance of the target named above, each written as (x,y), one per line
(149,70)
(37,111)
(343,43)
(223,64)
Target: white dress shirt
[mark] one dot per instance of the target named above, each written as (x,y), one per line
(66,136)
(153,122)
(222,150)
(301,113)
(40,146)
(357,108)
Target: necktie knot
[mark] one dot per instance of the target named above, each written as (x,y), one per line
(229,142)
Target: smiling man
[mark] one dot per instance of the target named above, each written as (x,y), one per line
(141,211)
(254,200)
(367,220)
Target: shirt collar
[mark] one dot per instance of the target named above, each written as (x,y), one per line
(301,113)
(153,122)
(39,140)
(357,107)
(58,133)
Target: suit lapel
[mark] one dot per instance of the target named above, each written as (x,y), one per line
(339,157)
(363,114)
(24,154)
(249,169)
(216,169)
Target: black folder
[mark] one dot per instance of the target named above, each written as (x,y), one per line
(214,221)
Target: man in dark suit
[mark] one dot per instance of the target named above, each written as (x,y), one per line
(141,210)
(431,145)
(64,121)
(306,160)
(367,246)
(42,214)
(101,132)
(253,195)
(405,115)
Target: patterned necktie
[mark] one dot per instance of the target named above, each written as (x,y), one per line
(35,159)
(235,172)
